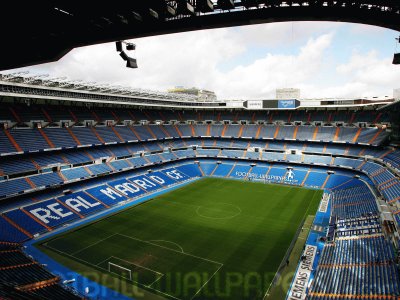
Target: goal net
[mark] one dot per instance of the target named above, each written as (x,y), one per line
(120,270)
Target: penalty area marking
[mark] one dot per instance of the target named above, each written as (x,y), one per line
(169,242)
(136,265)
(206,282)
(155,281)
(159,274)
(202,258)
(220,265)
(98,267)
(108,258)
(188,254)
(91,245)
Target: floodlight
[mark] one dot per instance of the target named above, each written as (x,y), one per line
(396,56)
(131,63)
(153,13)
(170,11)
(396,59)
(185,8)
(205,6)
(123,55)
(226,4)
(250,3)
(118,45)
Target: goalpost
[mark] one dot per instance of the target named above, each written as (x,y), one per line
(122,272)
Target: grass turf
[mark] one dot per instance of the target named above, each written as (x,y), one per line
(212,239)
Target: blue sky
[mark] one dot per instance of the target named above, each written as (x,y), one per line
(324,59)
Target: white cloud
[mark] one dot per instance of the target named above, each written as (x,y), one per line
(195,59)
(263,76)
(367,75)
(278,34)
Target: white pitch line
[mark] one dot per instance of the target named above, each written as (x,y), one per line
(56,250)
(267,292)
(184,253)
(99,241)
(95,266)
(103,261)
(165,293)
(155,281)
(207,281)
(129,262)
(216,209)
(179,246)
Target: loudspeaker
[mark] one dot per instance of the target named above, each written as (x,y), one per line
(250,3)
(226,4)
(130,46)
(205,6)
(396,59)
(118,45)
(131,63)
(185,8)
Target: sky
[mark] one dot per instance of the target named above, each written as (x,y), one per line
(323,59)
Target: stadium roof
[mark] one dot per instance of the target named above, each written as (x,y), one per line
(42,31)
(394,106)
(23,85)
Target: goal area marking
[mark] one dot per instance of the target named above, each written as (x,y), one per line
(112,263)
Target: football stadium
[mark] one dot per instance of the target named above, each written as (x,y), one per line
(109,192)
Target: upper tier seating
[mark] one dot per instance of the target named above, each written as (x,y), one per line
(38,139)
(29,139)
(22,113)
(5,144)
(61,137)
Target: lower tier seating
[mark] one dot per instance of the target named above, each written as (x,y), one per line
(351,268)
(22,278)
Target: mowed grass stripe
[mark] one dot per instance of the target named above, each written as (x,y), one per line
(246,227)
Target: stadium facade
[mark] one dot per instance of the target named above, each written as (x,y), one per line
(72,152)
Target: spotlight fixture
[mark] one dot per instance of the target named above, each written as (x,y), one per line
(396,56)
(226,4)
(118,46)
(396,59)
(251,3)
(123,55)
(130,62)
(205,6)
(185,8)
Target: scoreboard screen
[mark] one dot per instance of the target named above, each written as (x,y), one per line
(271,104)
(286,104)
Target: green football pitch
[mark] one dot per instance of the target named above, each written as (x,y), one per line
(211,239)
